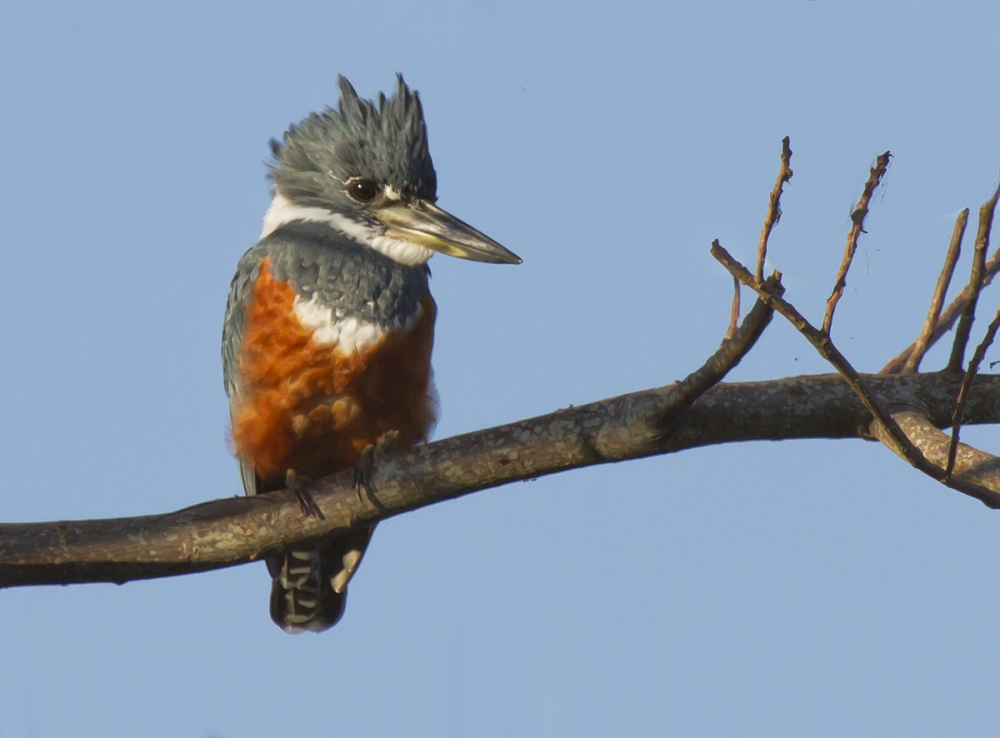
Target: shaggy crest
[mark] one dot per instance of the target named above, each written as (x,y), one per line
(385,141)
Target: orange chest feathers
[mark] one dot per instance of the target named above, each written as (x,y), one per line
(310,405)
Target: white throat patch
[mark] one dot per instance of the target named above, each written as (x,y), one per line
(282,211)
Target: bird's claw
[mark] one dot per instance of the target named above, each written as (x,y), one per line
(303,487)
(364,470)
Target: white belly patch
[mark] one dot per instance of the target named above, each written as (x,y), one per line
(347,334)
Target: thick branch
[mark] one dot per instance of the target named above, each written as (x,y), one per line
(240,529)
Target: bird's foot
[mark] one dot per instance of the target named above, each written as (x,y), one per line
(364,470)
(303,487)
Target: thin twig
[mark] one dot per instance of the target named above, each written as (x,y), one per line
(821,341)
(948,317)
(940,290)
(774,205)
(977,280)
(963,393)
(857,228)
(734,314)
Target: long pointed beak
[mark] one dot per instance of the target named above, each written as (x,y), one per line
(425,224)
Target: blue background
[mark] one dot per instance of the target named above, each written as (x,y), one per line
(781,589)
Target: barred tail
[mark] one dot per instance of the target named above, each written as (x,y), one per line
(309,587)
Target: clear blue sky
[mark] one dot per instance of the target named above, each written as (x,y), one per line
(781,589)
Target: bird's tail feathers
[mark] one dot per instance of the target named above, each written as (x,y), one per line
(309,585)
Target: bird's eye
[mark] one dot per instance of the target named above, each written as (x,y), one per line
(363,190)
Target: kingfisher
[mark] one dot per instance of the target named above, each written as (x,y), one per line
(329,324)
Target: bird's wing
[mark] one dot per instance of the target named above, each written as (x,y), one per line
(240,293)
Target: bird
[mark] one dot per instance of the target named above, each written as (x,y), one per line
(329,321)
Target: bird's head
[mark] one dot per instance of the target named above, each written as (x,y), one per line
(365,169)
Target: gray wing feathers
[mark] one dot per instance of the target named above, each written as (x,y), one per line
(240,292)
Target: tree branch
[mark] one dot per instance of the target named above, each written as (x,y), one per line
(237,530)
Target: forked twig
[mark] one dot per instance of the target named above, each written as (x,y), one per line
(824,345)
(820,340)
(857,228)
(739,339)
(922,343)
(774,205)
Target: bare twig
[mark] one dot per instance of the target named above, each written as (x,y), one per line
(734,312)
(977,281)
(948,317)
(821,341)
(857,228)
(774,205)
(912,363)
(963,393)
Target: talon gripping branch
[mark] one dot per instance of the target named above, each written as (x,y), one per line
(329,325)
